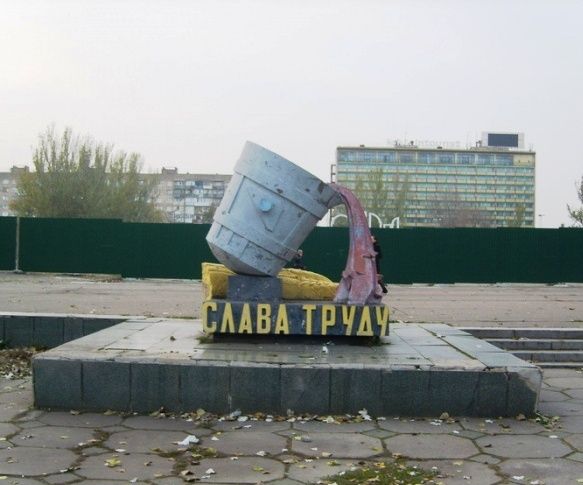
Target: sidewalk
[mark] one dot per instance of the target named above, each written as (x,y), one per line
(466,305)
(40,447)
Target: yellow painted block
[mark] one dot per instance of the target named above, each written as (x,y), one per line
(296,284)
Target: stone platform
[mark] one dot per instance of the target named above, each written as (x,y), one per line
(420,370)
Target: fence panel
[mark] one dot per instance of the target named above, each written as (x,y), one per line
(164,250)
(70,245)
(7,243)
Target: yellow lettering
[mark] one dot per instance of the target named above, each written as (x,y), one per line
(208,327)
(383,319)
(309,309)
(348,313)
(365,326)
(228,322)
(328,317)
(245,325)
(263,317)
(281,323)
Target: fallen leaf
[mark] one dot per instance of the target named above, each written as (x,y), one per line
(258,468)
(113,462)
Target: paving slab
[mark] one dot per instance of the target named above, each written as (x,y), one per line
(6,429)
(166,424)
(523,446)
(500,426)
(82,420)
(564,408)
(247,443)
(34,461)
(546,395)
(311,472)
(23,481)
(251,426)
(61,478)
(140,466)
(340,445)
(576,441)
(458,472)
(321,427)
(576,457)
(242,470)
(434,426)
(426,446)
(145,441)
(571,424)
(549,471)
(52,437)
(571,381)
(574,393)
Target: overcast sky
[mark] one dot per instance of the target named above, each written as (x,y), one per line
(185,83)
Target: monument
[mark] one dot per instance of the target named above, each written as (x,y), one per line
(142,364)
(269,208)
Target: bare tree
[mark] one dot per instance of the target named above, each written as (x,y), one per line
(519,213)
(452,211)
(577,214)
(384,196)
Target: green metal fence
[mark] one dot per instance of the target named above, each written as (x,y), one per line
(7,243)
(414,255)
(70,245)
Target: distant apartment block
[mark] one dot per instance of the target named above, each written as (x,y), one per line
(189,197)
(182,197)
(8,188)
(490,185)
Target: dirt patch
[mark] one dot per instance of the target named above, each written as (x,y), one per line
(16,363)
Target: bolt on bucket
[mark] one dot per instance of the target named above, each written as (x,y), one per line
(269,208)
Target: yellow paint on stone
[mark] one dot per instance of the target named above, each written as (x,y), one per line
(296,284)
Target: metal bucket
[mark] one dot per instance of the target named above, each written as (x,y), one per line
(268,210)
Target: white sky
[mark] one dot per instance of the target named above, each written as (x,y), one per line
(185,83)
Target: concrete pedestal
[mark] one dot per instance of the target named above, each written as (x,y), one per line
(420,370)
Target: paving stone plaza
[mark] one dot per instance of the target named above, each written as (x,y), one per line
(41,447)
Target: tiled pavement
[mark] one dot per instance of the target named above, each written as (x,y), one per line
(58,448)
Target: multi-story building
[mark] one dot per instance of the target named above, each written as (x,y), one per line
(489,185)
(8,188)
(181,197)
(189,197)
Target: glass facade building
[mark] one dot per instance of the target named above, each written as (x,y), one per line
(496,184)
